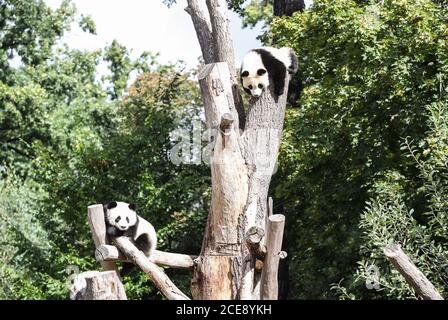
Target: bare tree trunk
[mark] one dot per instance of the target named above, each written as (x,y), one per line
(94,285)
(242,163)
(269,275)
(287,7)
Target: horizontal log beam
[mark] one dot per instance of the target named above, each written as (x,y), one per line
(161,258)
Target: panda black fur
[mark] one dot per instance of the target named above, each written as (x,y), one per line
(122,220)
(261,64)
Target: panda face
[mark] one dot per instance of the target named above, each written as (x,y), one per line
(121,215)
(255,82)
(254,75)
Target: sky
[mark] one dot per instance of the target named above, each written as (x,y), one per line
(148,25)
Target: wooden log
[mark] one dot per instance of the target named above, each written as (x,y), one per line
(222,244)
(242,164)
(253,238)
(157,276)
(414,277)
(97,223)
(95,285)
(161,258)
(269,274)
(98,228)
(109,253)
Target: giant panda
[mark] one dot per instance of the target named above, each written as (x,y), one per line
(260,64)
(122,220)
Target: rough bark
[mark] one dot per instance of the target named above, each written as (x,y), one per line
(201,21)
(221,248)
(94,285)
(157,276)
(414,277)
(241,167)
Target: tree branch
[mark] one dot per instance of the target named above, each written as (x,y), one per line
(202,25)
(157,276)
(414,277)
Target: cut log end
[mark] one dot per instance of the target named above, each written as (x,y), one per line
(226,125)
(277,218)
(254,235)
(392,250)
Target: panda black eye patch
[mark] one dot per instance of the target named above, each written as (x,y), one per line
(250,87)
(118,219)
(260,86)
(261,72)
(127,219)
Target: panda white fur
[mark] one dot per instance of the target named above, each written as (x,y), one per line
(261,63)
(122,220)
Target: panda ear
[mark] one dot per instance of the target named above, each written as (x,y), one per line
(133,206)
(111,205)
(261,72)
(245,74)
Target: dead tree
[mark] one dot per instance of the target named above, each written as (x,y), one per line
(243,159)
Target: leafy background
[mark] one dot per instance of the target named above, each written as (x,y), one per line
(363,161)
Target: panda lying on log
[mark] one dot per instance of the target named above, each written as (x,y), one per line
(122,220)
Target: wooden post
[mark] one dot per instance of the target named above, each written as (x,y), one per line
(94,285)
(414,277)
(269,275)
(95,214)
(157,276)
(161,258)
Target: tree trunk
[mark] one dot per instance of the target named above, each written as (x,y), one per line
(94,285)
(287,7)
(242,161)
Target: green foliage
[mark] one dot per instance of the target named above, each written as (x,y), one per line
(29,29)
(363,161)
(87,24)
(373,72)
(422,233)
(254,11)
